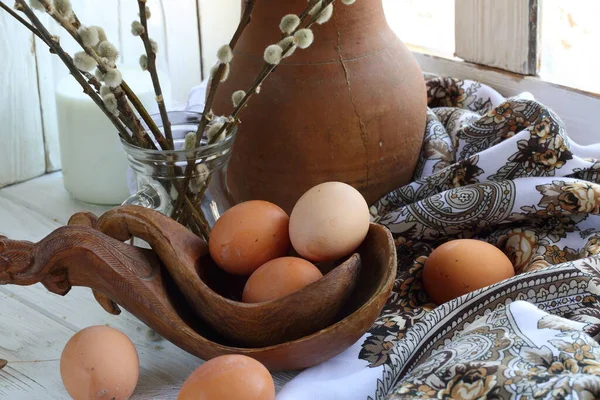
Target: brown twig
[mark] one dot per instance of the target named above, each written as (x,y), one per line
(126,111)
(70,27)
(305,18)
(68,61)
(23,22)
(92,80)
(88,82)
(151,53)
(3,363)
(213,87)
(214,83)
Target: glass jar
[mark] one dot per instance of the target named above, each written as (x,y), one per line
(189,186)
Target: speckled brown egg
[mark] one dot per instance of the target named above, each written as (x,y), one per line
(249,235)
(99,362)
(461,266)
(231,377)
(278,278)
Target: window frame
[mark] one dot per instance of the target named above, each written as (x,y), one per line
(511,28)
(575,107)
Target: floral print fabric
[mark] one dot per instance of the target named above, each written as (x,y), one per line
(503,171)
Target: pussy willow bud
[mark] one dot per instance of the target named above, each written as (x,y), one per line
(84,61)
(273,54)
(237,97)
(304,38)
(225,54)
(113,78)
(289,23)
(89,36)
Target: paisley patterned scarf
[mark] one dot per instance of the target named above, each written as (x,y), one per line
(503,171)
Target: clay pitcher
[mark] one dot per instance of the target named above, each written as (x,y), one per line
(350,108)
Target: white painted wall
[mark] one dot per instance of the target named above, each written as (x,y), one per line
(28,72)
(21,138)
(219,19)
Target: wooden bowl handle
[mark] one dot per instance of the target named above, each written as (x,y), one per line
(81,255)
(90,252)
(88,219)
(74,255)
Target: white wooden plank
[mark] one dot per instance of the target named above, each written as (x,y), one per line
(47,196)
(17,222)
(22,150)
(45,76)
(499,33)
(218,21)
(576,108)
(166,365)
(162,363)
(18,385)
(183,45)
(32,344)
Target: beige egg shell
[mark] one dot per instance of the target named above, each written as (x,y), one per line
(329,222)
(99,362)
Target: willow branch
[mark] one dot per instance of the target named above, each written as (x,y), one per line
(70,27)
(213,87)
(68,61)
(139,107)
(23,22)
(91,79)
(126,110)
(214,83)
(151,53)
(307,19)
(140,136)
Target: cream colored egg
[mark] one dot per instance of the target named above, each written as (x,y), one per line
(329,221)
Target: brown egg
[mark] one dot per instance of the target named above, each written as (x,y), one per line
(248,235)
(462,266)
(99,362)
(329,222)
(232,377)
(278,278)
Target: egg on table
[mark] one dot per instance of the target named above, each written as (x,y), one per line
(278,278)
(461,266)
(248,235)
(329,221)
(231,377)
(99,362)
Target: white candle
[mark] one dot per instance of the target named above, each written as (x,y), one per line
(94,164)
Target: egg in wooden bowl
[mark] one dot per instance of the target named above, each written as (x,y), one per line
(283,298)
(375,280)
(195,304)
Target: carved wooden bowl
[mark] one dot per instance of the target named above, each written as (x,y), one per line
(157,287)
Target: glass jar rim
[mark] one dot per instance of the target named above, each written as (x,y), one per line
(203,150)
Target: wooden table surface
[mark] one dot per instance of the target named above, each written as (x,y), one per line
(35,324)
